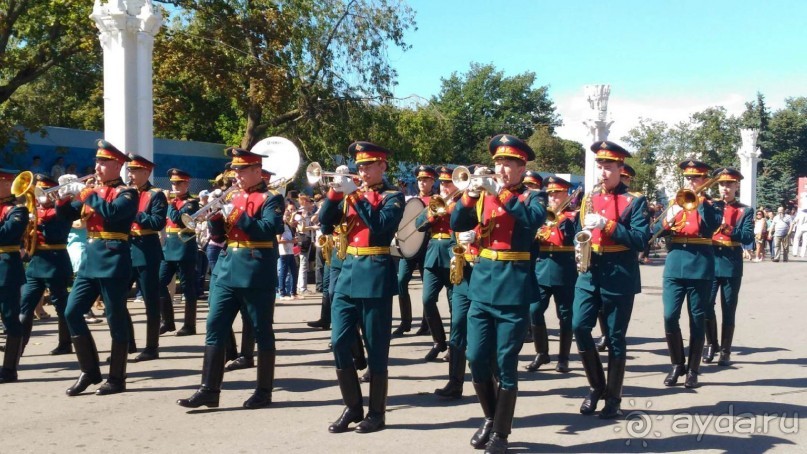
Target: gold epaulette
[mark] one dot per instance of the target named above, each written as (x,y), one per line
(636,194)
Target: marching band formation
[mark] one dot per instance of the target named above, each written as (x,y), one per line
(498,238)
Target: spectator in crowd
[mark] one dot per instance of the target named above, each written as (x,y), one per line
(36,165)
(71,169)
(760,235)
(781,231)
(286,263)
(769,238)
(319,260)
(58,168)
(202,239)
(304,234)
(800,229)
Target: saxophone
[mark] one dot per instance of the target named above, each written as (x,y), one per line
(340,239)
(326,243)
(582,240)
(457,264)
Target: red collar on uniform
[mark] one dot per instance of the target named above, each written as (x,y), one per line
(145,187)
(375,187)
(113,183)
(260,187)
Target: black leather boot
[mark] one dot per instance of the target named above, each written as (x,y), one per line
(351,395)
(167,312)
(456,375)
(11,359)
(406,316)
(502,422)
(132,344)
(232,347)
(711,346)
(212,375)
(324,321)
(613,390)
(64,347)
(27,323)
(242,362)
(486,392)
(87,356)
(375,419)
(424,327)
(189,325)
(726,338)
(565,349)
(596,381)
(438,333)
(676,346)
(695,352)
(603,343)
(262,397)
(116,383)
(540,339)
(151,352)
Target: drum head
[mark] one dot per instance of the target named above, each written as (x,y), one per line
(408,242)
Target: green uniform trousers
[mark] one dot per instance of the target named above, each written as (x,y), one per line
(434,280)
(148,281)
(696,292)
(729,288)
(35,287)
(460,303)
(374,315)
(564,299)
(82,296)
(496,333)
(10,309)
(225,302)
(617,310)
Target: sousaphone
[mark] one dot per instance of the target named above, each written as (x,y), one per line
(281,157)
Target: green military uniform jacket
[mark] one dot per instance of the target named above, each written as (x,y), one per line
(737,228)
(372,216)
(149,221)
(250,260)
(110,208)
(692,260)
(555,265)
(13,221)
(614,268)
(53,227)
(175,250)
(508,223)
(438,250)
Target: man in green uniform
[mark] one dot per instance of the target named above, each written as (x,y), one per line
(13,222)
(366,283)
(688,272)
(406,267)
(503,281)
(147,251)
(246,277)
(556,273)
(437,260)
(617,223)
(736,229)
(109,209)
(50,266)
(180,256)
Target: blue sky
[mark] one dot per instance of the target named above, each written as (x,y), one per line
(663,59)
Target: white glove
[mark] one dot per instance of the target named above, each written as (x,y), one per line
(344,184)
(216,193)
(67,178)
(71,189)
(467,237)
(672,213)
(43,199)
(343,169)
(226,209)
(594,221)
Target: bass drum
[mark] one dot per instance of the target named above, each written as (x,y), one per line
(408,242)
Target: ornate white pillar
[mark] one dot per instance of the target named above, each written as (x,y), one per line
(749,155)
(597,126)
(126,31)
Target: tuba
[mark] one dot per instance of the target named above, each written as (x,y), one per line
(281,158)
(23,185)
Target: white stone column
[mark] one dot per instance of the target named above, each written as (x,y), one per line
(597,126)
(126,31)
(749,155)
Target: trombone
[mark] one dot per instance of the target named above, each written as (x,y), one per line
(315,174)
(52,193)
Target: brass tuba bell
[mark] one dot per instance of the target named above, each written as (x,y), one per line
(23,185)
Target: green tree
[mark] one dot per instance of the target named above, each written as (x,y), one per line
(648,141)
(715,137)
(776,187)
(555,155)
(788,137)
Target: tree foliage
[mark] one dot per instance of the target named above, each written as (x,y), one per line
(555,155)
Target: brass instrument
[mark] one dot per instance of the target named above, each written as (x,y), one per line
(53,193)
(212,206)
(552,215)
(326,243)
(457,264)
(340,240)
(23,185)
(686,199)
(315,174)
(582,240)
(462,179)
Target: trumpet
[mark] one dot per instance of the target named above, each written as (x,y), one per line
(190,220)
(463,178)
(315,174)
(687,199)
(53,193)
